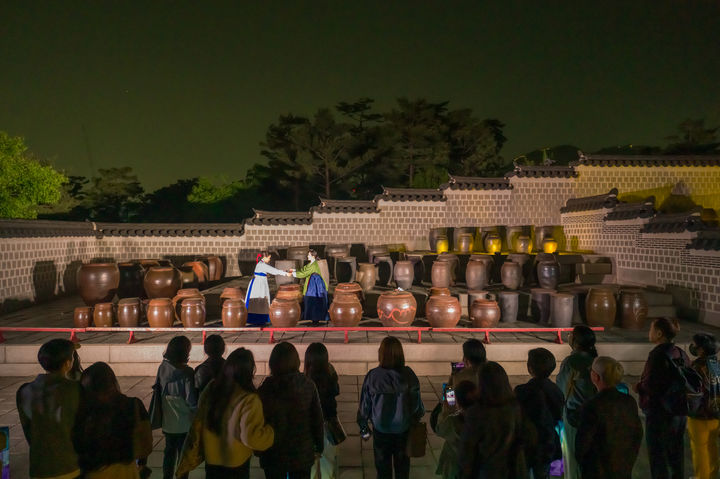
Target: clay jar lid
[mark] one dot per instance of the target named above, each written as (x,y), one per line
(289,287)
(349,288)
(484,303)
(443,299)
(129,301)
(346,298)
(435,291)
(232,293)
(160,302)
(103,306)
(397,294)
(188,292)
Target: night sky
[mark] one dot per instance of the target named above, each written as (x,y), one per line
(181,89)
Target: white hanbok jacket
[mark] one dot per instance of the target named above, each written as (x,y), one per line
(258,295)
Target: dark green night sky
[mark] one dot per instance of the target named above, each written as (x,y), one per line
(181,89)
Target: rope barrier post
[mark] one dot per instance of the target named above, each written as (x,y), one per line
(73,337)
(131,337)
(487,337)
(346,336)
(419,336)
(2,338)
(204,336)
(559,337)
(272,337)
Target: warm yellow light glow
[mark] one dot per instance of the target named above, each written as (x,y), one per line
(442,246)
(493,245)
(550,245)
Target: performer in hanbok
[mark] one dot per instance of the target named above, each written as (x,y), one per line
(257,299)
(315,290)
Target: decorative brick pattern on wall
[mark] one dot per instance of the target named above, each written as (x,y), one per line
(537,201)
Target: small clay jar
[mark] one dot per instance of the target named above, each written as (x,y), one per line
(484,313)
(192,312)
(549,245)
(465,243)
(349,288)
(441,274)
(292,292)
(523,244)
(508,301)
(284,313)
(128,312)
(633,309)
(600,307)
(396,308)
(160,313)
(234,314)
(345,310)
(103,315)
(547,273)
(442,245)
(561,309)
(540,305)
(404,273)
(184,294)
(443,311)
(511,275)
(82,316)
(492,243)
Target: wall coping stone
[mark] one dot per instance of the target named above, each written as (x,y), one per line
(542,171)
(170,229)
(476,183)
(691,221)
(630,211)
(17,228)
(345,206)
(410,194)
(263,217)
(586,203)
(708,240)
(647,160)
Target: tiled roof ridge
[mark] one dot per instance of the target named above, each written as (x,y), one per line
(629,211)
(345,206)
(542,171)
(170,229)
(265,217)
(19,228)
(595,202)
(691,220)
(646,160)
(411,194)
(707,240)
(456,182)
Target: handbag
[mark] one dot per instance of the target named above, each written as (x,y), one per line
(417,439)
(156,415)
(335,431)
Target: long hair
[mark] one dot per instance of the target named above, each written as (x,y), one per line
(238,370)
(584,340)
(317,365)
(99,383)
(390,353)
(178,351)
(284,359)
(493,385)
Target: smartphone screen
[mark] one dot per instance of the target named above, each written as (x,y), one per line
(444,389)
(450,397)
(454,367)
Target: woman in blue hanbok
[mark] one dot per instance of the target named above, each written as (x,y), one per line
(257,299)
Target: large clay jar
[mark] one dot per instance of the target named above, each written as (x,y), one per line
(291,292)
(523,244)
(441,274)
(128,312)
(98,282)
(454,263)
(634,309)
(200,270)
(439,291)
(540,305)
(349,288)
(82,316)
(600,307)
(162,282)
(337,250)
(443,311)
(511,275)
(215,268)
(396,308)
(484,313)
(404,273)
(160,313)
(131,280)
(366,276)
(192,312)
(508,301)
(547,273)
(477,273)
(234,314)
(103,315)
(345,311)
(465,243)
(442,244)
(284,313)
(492,243)
(561,310)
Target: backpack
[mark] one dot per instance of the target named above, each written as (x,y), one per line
(684,394)
(711,385)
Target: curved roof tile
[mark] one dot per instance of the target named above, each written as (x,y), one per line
(10,228)
(587,203)
(411,194)
(345,206)
(476,183)
(648,160)
(630,211)
(541,171)
(263,217)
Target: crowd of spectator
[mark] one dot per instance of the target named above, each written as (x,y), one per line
(79,424)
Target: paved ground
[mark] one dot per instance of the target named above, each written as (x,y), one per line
(355,456)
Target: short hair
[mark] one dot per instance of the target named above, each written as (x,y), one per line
(390,353)
(313,253)
(214,346)
(669,327)
(609,370)
(178,350)
(54,353)
(474,352)
(706,342)
(541,362)
(493,385)
(284,359)
(465,393)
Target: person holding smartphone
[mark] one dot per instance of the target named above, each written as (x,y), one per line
(474,356)
(450,426)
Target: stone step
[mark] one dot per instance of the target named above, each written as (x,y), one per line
(348,359)
(662,311)
(593,268)
(658,298)
(590,278)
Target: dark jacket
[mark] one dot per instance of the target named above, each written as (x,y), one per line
(207,371)
(573,379)
(48,409)
(328,389)
(116,432)
(179,396)
(657,376)
(390,399)
(709,371)
(491,444)
(609,435)
(542,405)
(292,407)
